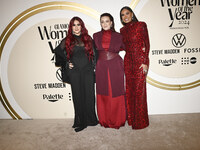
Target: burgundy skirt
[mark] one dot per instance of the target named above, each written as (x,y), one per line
(111,110)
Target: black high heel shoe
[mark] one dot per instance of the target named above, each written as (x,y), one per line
(78,129)
(93,124)
(75,126)
(76,123)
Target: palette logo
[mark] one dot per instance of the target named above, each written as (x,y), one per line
(180,11)
(167,62)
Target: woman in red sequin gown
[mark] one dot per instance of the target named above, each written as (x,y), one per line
(109,75)
(136,64)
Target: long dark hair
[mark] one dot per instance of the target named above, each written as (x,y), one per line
(134,19)
(111,19)
(85,38)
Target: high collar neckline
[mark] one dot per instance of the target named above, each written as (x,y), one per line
(77,36)
(130,23)
(107,31)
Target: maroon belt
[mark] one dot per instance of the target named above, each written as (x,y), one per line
(106,55)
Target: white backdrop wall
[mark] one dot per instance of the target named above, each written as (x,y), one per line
(30,86)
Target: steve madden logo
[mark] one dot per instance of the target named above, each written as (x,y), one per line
(167,62)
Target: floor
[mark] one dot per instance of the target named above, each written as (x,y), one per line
(166,132)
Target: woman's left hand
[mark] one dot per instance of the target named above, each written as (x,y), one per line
(144,68)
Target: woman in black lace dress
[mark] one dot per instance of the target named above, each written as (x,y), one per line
(80,60)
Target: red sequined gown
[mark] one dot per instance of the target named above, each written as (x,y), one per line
(111,110)
(135,38)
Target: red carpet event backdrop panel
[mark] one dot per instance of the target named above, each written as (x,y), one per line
(30,83)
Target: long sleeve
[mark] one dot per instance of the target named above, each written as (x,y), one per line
(122,46)
(60,54)
(145,38)
(95,54)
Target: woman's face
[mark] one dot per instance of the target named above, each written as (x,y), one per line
(76,27)
(106,23)
(126,16)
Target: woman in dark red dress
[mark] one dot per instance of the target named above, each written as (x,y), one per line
(136,63)
(109,75)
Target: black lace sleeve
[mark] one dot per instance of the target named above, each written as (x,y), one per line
(95,53)
(61,55)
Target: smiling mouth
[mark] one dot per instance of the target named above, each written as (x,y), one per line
(126,20)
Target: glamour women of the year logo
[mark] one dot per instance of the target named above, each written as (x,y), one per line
(180,11)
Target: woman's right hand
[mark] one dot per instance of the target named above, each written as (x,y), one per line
(144,68)
(71,65)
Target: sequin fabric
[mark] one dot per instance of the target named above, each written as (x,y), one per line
(136,40)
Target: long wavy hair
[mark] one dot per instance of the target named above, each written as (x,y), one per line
(134,19)
(111,19)
(85,38)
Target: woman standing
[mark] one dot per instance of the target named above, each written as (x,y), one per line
(80,56)
(136,62)
(109,75)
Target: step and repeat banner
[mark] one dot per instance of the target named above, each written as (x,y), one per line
(30,84)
